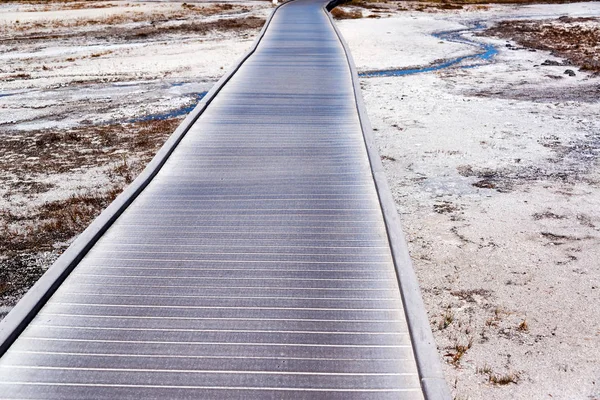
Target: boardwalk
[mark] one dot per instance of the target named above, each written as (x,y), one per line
(255,264)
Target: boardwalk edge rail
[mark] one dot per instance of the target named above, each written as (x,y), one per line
(27,308)
(428,362)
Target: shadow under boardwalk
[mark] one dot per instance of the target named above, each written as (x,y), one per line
(255,265)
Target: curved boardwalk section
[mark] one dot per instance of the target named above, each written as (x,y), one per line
(255,265)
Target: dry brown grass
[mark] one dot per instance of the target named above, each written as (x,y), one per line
(575,39)
(199,28)
(38,1)
(504,379)
(213,9)
(75,5)
(498,379)
(28,234)
(340,13)
(448,5)
(523,326)
(371,4)
(53,24)
(23,238)
(457,352)
(60,151)
(447,319)
(31,238)
(55,29)
(186,12)
(56,151)
(53,222)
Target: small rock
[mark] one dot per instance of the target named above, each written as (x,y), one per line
(550,63)
(569,72)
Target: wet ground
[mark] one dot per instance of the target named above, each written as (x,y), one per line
(482,53)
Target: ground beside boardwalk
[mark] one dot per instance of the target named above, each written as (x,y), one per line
(495,173)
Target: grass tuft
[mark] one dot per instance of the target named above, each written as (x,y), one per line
(340,13)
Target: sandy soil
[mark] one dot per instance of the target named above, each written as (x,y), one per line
(88,93)
(495,173)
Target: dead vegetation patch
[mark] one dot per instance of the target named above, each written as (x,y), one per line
(498,379)
(63,30)
(547,215)
(432,6)
(575,39)
(189,18)
(56,221)
(457,351)
(475,2)
(32,237)
(199,28)
(60,151)
(77,5)
(39,1)
(570,163)
(445,207)
(468,295)
(213,9)
(346,13)
(558,239)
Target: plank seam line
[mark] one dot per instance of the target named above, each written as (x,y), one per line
(217,278)
(138,355)
(240,260)
(260,344)
(245,287)
(231,297)
(199,371)
(370,321)
(255,388)
(224,307)
(101,328)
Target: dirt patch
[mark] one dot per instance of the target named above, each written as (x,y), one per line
(61,151)
(586,93)
(230,24)
(346,13)
(571,163)
(159,26)
(53,222)
(575,39)
(33,235)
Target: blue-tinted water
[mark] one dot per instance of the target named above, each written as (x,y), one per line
(486,53)
(172,113)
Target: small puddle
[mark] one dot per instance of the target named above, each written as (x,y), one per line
(486,53)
